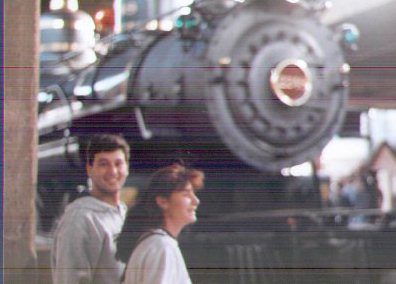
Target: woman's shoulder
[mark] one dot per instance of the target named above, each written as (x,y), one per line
(156,250)
(156,241)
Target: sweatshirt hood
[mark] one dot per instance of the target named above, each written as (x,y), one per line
(94,204)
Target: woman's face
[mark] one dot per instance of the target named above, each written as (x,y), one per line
(180,208)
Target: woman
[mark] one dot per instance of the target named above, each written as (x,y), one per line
(148,241)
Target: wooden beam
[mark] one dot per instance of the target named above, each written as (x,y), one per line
(21,47)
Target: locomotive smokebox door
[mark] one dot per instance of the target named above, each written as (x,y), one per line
(278,89)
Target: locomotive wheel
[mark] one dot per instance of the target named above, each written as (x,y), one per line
(278,88)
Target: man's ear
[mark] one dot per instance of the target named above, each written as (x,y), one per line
(162,202)
(88,169)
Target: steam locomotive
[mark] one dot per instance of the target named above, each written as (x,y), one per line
(259,83)
(236,86)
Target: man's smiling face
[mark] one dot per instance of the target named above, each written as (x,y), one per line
(108,172)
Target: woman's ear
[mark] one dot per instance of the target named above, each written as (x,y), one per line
(162,202)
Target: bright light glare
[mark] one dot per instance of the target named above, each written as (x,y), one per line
(185,2)
(185,11)
(342,156)
(44,97)
(56,4)
(84,25)
(304,169)
(83,91)
(152,25)
(166,25)
(99,15)
(71,5)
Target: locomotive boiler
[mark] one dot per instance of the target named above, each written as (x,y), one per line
(261,85)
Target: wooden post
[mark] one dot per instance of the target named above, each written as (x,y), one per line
(21,77)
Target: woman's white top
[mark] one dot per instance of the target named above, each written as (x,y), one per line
(157,259)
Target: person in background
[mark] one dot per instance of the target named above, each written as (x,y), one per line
(367,196)
(84,248)
(148,241)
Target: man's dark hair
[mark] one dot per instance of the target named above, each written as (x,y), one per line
(106,143)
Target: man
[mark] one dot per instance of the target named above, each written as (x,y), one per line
(84,242)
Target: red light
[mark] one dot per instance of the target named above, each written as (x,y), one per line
(104,21)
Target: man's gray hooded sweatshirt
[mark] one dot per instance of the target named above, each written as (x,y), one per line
(84,243)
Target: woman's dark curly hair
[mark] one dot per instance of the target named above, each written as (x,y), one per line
(146,214)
